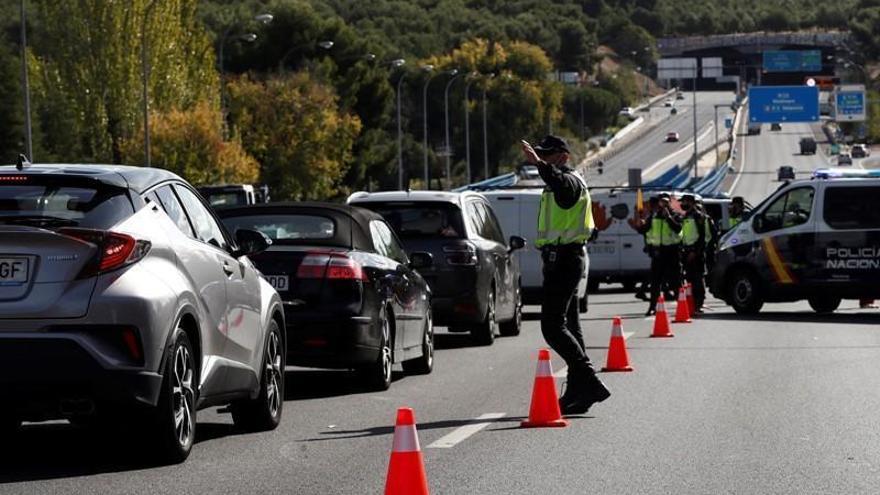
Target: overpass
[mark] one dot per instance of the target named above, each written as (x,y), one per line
(676,47)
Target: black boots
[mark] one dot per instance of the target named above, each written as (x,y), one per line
(581,393)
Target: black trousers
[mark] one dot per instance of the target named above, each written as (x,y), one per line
(560,318)
(665,273)
(694,272)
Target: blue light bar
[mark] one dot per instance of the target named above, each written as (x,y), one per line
(845,173)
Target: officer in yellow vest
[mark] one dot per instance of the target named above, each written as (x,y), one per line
(662,231)
(736,211)
(693,248)
(565,223)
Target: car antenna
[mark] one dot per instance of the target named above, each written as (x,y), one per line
(22,163)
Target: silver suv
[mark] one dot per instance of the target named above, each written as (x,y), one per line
(124,302)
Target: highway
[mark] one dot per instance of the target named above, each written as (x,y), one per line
(652,147)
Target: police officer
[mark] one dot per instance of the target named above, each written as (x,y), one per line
(712,236)
(736,211)
(565,223)
(638,223)
(662,231)
(693,248)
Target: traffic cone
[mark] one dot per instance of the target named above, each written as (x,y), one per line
(406,471)
(682,313)
(689,291)
(618,358)
(544,411)
(661,320)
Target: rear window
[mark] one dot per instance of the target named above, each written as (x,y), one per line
(226,198)
(852,207)
(421,219)
(282,228)
(50,203)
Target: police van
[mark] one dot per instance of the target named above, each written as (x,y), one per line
(618,254)
(816,239)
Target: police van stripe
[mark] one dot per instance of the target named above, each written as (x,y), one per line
(780,271)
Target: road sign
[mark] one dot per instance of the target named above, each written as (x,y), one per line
(792,60)
(775,104)
(728,123)
(676,68)
(849,103)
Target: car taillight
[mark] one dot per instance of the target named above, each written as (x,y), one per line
(344,268)
(461,254)
(313,266)
(115,250)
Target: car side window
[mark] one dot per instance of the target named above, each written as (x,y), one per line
(491,228)
(386,242)
(168,200)
(379,243)
(474,219)
(207,229)
(789,210)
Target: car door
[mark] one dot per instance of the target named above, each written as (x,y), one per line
(242,311)
(788,238)
(485,252)
(199,261)
(408,308)
(507,263)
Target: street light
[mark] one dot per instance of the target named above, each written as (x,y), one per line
(455,74)
(326,44)
(485,133)
(467,124)
(427,176)
(26,85)
(145,76)
(264,19)
(395,64)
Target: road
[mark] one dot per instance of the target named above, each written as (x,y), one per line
(652,146)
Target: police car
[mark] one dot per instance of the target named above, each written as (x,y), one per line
(816,239)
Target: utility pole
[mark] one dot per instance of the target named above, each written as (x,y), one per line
(467,128)
(696,168)
(26,85)
(485,139)
(399,137)
(455,75)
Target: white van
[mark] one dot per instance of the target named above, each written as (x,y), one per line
(517,210)
(618,254)
(816,239)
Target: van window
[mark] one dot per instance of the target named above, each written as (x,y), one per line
(852,207)
(789,210)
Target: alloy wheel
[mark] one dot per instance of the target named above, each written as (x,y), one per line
(183,396)
(274,374)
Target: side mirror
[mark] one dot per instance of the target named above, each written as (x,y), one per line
(516,242)
(758,222)
(250,242)
(420,260)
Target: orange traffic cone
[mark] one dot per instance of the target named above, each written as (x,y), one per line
(406,471)
(618,358)
(682,313)
(689,292)
(544,411)
(661,320)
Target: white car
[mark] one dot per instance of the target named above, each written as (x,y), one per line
(668,102)
(628,112)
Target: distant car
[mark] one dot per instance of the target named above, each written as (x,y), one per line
(234,195)
(124,301)
(627,112)
(673,111)
(844,159)
(668,102)
(754,128)
(352,297)
(475,279)
(679,96)
(860,151)
(786,172)
(672,137)
(775,127)
(808,146)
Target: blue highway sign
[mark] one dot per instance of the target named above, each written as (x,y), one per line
(774,104)
(849,103)
(792,60)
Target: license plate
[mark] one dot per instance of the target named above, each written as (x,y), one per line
(13,271)
(280,282)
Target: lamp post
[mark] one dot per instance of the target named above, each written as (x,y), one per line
(467,125)
(454,73)
(398,63)
(486,133)
(427,175)
(145,75)
(25,84)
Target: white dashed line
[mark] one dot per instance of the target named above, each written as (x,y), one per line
(462,434)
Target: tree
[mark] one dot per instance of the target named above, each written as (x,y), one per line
(293,126)
(12,123)
(91,54)
(189,143)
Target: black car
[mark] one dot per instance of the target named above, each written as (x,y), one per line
(352,297)
(475,279)
(808,146)
(775,127)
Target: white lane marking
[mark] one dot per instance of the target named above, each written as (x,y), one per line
(563,372)
(468,430)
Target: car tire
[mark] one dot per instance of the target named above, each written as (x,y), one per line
(484,333)
(824,304)
(584,303)
(177,401)
(424,364)
(264,412)
(513,327)
(745,293)
(377,376)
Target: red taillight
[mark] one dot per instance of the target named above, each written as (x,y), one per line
(461,254)
(133,344)
(313,266)
(115,250)
(344,268)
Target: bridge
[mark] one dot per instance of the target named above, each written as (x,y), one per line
(670,47)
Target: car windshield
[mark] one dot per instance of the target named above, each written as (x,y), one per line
(281,228)
(411,219)
(51,202)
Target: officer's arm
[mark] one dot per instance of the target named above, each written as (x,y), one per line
(701,231)
(645,226)
(674,223)
(566,187)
